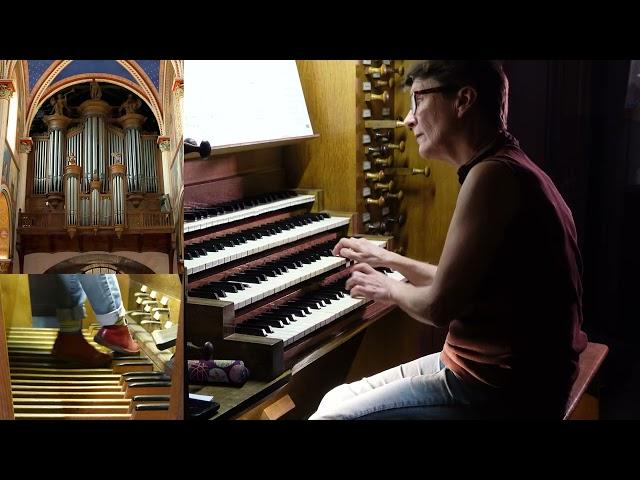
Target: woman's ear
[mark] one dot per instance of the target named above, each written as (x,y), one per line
(466,98)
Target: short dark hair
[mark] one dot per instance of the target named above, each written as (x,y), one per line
(486,76)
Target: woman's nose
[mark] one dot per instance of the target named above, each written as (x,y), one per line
(410,120)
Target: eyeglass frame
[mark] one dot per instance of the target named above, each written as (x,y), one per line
(425,91)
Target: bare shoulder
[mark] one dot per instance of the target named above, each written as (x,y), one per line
(491,172)
(492,177)
(491,185)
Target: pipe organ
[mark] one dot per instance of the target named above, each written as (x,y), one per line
(112,198)
(94,141)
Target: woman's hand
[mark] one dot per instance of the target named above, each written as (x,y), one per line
(362,250)
(371,284)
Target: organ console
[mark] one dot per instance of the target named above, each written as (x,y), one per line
(262,280)
(140,386)
(262,284)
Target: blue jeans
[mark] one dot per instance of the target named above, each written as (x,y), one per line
(102,291)
(422,382)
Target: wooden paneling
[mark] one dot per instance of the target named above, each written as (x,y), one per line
(16,303)
(335,107)
(429,201)
(221,178)
(328,163)
(6,402)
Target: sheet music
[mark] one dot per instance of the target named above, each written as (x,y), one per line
(230,102)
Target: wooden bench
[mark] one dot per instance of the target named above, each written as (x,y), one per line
(582,406)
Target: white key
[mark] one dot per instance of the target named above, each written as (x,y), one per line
(256,292)
(251,247)
(320,317)
(201,224)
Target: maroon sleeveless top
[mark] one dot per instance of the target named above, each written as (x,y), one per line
(522,334)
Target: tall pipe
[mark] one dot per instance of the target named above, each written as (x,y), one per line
(72,175)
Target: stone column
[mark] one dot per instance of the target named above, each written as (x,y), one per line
(6,92)
(25,146)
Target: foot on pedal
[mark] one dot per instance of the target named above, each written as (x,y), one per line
(117,338)
(73,349)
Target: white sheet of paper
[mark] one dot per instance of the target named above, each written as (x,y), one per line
(231,102)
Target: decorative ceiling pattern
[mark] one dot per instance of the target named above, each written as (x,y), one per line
(79,67)
(47,77)
(152,69)
(36,69)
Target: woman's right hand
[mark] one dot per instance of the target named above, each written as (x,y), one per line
(362,250)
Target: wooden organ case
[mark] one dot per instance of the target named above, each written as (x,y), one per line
(144,386)
(362,168)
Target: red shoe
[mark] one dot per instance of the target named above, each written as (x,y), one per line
(117,338)
(73,348)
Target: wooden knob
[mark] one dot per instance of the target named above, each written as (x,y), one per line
(394,146)
(384,162)
(398,195)
(383,97)
(382,137)
(391,220)
(384,83)
(375,176)
(382,70)
(379,124)
(426,171)
(378,201)
(374,227)
(384,186)
(382,151)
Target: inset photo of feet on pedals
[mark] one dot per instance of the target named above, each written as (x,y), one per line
(90,346)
